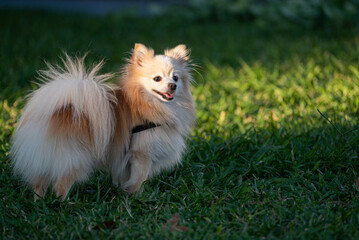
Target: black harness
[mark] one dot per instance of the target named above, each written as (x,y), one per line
(140,128)
(143,127)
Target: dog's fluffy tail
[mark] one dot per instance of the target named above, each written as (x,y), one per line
(66,125)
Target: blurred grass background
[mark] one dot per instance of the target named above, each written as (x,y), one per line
(275,150)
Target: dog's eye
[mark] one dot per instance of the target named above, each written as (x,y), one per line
(157,78)
(175,78)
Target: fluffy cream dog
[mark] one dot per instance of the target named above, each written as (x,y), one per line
(76,122)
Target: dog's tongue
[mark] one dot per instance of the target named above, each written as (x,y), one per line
(169,95)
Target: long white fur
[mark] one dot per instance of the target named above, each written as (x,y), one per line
(34,154)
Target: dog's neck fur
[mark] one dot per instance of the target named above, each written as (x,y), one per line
(142,111)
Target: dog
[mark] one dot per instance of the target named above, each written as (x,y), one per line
(75,122)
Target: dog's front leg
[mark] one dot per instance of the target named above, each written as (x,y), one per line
(139,165)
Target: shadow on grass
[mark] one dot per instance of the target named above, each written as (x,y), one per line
(270,174)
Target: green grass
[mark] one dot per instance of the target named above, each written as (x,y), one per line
(263,162)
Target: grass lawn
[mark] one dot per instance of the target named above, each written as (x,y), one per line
(274,153)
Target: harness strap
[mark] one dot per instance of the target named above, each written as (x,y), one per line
(143,127)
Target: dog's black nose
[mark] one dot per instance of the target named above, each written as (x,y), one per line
(172,86)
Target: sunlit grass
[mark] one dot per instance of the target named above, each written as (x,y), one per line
(253,96)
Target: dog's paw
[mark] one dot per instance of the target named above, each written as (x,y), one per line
(132,189)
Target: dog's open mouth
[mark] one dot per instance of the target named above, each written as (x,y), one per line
(165,95)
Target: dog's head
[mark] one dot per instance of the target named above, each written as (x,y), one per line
(164,77)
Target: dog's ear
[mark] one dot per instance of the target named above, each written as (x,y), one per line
(140,52)
(180,52)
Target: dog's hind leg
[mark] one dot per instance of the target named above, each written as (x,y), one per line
(74,149)
(40,186)
(63,185)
